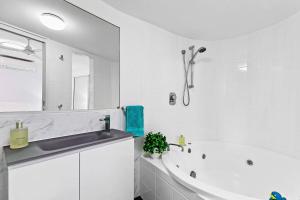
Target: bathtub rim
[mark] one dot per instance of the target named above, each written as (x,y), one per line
(201,187)
(198,186)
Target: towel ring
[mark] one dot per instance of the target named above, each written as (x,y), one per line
(124,110)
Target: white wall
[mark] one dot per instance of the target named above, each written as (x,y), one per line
(115,83)
(224,101)
(59,80)
(261,106)
(81,65)
(104,79)
(150,68)
(58,76)
(257,107)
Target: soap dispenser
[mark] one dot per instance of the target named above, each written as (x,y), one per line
(18,136)
(181,140)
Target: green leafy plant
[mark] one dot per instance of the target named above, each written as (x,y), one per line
(155,143)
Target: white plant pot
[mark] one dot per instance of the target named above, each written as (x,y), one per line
(156,155)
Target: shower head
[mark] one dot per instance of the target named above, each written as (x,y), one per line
(200,50)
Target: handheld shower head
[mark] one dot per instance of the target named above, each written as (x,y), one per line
(200,50)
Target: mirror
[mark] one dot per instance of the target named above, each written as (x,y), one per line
(55,56)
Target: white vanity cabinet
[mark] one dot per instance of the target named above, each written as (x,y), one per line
(54,179)
(107,173)
(100,172)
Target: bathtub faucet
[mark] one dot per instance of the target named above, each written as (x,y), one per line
(177,145)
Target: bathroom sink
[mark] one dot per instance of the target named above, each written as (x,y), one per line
(74,140)
(49,147)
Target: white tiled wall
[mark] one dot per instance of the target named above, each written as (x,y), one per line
(258,107)
(43,125)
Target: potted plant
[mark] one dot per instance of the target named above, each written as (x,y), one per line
(155,144)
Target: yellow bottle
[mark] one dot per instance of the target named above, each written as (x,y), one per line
(18,136)
(181,140)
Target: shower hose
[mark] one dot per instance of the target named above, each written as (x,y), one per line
(186,91)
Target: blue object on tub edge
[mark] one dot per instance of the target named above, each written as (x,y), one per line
(135,120)
(276,196)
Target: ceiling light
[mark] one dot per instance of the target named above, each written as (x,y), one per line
(52,21)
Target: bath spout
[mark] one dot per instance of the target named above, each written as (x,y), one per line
(171,144)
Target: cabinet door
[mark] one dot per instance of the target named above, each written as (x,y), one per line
(107,172)
(55,179)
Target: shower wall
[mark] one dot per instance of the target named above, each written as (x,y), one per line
(259,106)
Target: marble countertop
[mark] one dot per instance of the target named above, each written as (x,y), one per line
(34,151)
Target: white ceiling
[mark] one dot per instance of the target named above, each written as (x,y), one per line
(83,30)
(209,19)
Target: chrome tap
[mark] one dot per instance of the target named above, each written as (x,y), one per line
(177,145)
(106,119)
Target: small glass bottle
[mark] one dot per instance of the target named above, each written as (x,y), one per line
(181,140)
(18,136)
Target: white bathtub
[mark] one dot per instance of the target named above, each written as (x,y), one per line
(226,172)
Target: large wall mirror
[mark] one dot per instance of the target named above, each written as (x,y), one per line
(55,56)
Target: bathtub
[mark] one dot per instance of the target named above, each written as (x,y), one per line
(223,171)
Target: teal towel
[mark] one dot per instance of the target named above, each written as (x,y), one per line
(135,120)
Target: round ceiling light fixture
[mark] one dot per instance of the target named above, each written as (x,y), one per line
(53,21)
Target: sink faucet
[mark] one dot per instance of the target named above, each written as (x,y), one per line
(106,119)
(171,144)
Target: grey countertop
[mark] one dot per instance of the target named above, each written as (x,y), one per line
(34,150)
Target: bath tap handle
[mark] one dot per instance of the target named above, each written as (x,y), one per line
(177,145)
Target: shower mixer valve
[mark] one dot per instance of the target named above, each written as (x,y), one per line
(172,98)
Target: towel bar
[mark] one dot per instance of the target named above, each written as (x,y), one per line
(124,110)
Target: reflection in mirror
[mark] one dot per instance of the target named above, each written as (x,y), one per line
(21,68)
(81,65)
(55,56)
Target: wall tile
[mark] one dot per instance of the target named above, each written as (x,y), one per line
(44,125)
